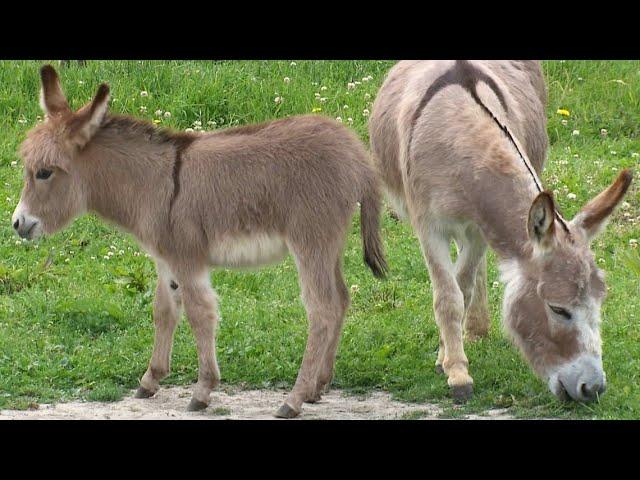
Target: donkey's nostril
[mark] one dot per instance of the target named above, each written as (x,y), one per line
(591,392)
(16,224)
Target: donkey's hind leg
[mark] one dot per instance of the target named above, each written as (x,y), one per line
(328,363)
(477,319)
(325,311)
(166,315)
(448,304)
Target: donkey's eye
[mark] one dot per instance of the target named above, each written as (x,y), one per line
(561,311)
(43,174)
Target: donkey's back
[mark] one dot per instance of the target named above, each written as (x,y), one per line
(252,193)
(428,103)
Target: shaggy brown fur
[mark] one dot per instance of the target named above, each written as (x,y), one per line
(460,145)
(241,197)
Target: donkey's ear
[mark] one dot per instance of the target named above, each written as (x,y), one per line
(86,122)
(52,100)
(594,215)
(540,224)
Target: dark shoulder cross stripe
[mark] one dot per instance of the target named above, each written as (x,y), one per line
(181,143)
(465,75)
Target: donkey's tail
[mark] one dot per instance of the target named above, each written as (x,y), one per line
(370,208)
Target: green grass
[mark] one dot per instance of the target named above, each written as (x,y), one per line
(75,321)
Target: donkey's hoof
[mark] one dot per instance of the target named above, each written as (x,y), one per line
(439,369)
(144,393)
(462,393)
(196,405)
(285,411)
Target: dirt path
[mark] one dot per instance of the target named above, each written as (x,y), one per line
(171,402)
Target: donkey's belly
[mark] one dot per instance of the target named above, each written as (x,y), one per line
(248,251)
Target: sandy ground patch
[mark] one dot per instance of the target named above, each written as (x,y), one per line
(170,403)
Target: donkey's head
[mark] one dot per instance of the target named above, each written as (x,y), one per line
(52,194)
(553,295)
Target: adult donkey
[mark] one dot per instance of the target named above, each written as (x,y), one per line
(460,145)
(239,197)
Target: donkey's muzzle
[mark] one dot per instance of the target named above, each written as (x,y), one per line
(582,380)
(25,226)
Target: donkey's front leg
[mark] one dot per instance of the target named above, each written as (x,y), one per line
(471,272)
(477,320)
(448,304)
(201,306)
(166,315)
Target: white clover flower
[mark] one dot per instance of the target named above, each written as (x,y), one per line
(323,88)
(564,122)
(495,284)
(604,132)
(18,242)
(354,288)
(345,107)
(575,133)
(317,95)
(143,109)
(212,123)
(571,196)
(351,86)
(323,99)
(197,123)
(613,152)
(365,112)
(633,243)
(22,121)
(625,205)
(339,119)
(278,100)
(80,82)
(112,247)
(635,155)
(167,115)
(106,257)
(188,130)
(357,82)
(14,163)
(158,113)
(286,80)
(367,96)
(350,120)
(293,64)
(144,93)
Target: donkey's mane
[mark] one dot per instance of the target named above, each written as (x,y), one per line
(135,127)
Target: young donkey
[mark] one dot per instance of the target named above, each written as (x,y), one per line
(239,197)
(460,146)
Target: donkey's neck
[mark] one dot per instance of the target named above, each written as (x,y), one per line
(501,209)
(130,180)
